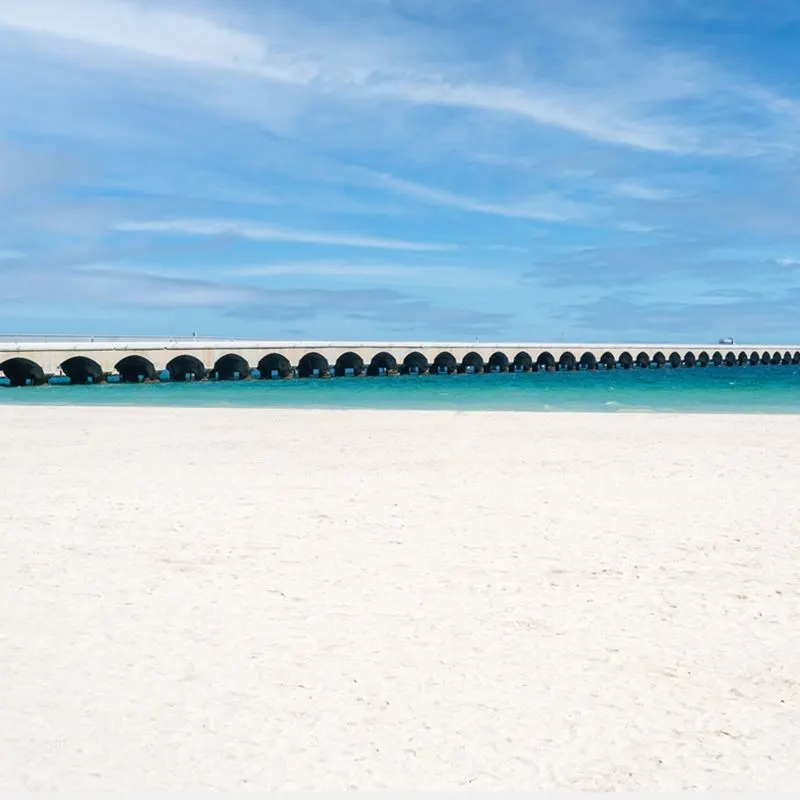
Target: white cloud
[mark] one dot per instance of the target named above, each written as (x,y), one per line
(260,232)
(544,208)
(612,95)
(640,191)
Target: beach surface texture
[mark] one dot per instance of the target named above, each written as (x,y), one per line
(230,598)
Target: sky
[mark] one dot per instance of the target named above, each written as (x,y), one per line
(377,170)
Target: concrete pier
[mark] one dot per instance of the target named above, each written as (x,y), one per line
(34,361)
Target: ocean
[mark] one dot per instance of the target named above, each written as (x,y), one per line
(756,389)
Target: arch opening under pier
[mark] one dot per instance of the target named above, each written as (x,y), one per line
(567,362)
(313,365)
(765,358)
(274,365)
(444,364)
(675,360)
(776,358)
(755,358)
(186,368)
(23,372)
(659,359)
(643,360)
(472,363)
(703,359)
(382,364)
(415,364)
(690,359)
(135,369)
(231,367)
(796,358)
(546,362)
(498,362)
(717,359)
(608,361)
(82,370)
(522,362)
(730,359)
(626,360)
(742,358)
(787,358)
(588,361)
(349,365)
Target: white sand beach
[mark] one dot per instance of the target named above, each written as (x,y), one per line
(229,598)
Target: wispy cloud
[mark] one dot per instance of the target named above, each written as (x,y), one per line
(269,233)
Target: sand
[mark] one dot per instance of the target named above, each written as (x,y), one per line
(220,598)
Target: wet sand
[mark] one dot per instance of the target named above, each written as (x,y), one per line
(223,598)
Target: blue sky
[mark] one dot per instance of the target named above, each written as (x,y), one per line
(401,169)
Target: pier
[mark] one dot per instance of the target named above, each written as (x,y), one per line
(28,361)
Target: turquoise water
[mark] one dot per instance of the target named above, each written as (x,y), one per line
(760,389)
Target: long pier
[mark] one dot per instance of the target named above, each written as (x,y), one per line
(26,361)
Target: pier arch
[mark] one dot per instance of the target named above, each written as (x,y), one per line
(703,359)
(522,362)
(274,365)
(382,364)
(445,364)
(82,370)
(23,372)
(349,364)
(659,359)
(717,359)
(498,362)
(675,360)
(754,359)
(588,361)
(135,369)
(796,358)
(546,362)
(186,368)
(776,358)
(608,361)
(567,362)
(231,367)
(626,360)
(730,359)
(690,359)
(313,365)
(765,358)
(415,364)
(472,363)
(643,360)
(787,358)
(742,358)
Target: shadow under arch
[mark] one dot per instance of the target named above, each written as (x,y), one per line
(608,360)
(567,362)
(186,368)
(588,361)
(415,364)
(471,363)
(82,370)
(522,362)
(231,367)
(546,362)
(730,359)
(23,372)
(313,365)
(690,359)
(626,360)
(348,364)
(382,364)
(274,365)
(675,360)
(444,364)
(498,362)
(643,360)
(135,369)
